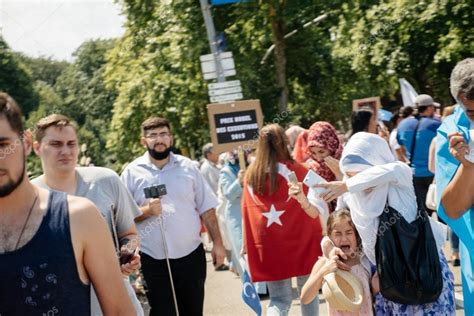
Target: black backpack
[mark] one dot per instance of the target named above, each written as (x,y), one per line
(407,259)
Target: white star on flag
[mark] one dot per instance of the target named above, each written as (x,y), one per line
(273,216)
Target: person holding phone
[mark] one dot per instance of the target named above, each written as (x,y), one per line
(324,150)
(57,145)
(281,237)
(53,246)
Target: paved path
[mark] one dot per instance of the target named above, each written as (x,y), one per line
(223,294)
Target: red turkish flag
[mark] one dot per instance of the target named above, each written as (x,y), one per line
(282,241)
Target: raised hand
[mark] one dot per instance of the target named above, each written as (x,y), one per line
(334,189)
(333,164)
(459,148)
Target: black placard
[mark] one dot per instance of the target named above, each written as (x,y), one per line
(236,126)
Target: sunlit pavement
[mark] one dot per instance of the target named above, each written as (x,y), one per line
(224,290)
(224,295)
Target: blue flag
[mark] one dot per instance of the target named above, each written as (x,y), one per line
(249,294)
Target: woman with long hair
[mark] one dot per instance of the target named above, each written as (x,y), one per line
(281,238)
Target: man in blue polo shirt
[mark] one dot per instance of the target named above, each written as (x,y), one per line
(415,134)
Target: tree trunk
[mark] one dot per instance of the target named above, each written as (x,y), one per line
(278,33)
(423,82)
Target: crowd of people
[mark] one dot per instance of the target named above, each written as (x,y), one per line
(71,238)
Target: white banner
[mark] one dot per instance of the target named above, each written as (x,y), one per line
(408,92)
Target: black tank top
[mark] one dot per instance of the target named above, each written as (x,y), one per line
(41,277)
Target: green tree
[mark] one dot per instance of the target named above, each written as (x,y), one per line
(360,50)
(16,80)
(420,41)
(320,85)
(155,67)
(85,98)
(43,69)
(155,70)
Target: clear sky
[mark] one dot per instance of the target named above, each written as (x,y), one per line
(56,28)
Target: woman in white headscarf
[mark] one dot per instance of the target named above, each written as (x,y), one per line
(371,176)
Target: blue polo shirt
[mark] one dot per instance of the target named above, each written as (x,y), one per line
(424,135)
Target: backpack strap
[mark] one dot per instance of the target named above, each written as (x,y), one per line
(412,150)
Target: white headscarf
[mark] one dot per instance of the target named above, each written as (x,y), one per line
(365,150)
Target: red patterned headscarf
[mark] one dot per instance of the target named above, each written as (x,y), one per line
(324,135)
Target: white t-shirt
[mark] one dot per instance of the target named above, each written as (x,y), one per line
(394,145)
(211,173)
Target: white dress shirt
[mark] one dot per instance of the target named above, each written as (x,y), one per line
(188,197)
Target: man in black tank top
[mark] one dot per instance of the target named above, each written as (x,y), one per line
(52,246)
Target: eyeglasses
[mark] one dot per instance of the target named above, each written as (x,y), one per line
(162,135)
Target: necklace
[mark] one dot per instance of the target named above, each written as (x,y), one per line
(26,222)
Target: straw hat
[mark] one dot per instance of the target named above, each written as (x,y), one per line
(343,291)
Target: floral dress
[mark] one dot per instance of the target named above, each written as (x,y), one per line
(444,305)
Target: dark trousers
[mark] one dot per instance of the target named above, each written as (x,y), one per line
(421,185)
(189,275)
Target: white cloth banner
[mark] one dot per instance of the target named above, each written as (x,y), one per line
(408,92)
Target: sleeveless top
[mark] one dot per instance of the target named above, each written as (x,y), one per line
(41,278)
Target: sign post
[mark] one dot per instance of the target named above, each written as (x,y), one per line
(209,64)
(211,36)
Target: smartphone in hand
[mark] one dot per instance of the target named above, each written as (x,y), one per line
(292,177)
(126,256)
(312,178)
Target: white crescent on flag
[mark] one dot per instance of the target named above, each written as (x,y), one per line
(247,284)
(283,170)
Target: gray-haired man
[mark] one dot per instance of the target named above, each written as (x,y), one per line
(209,168)
(455,172)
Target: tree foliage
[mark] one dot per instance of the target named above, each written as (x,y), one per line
(155,70)
(420,41)
(43,69)
(15,79)
(155,67)
(361,49)
(85,98)
(79,92)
